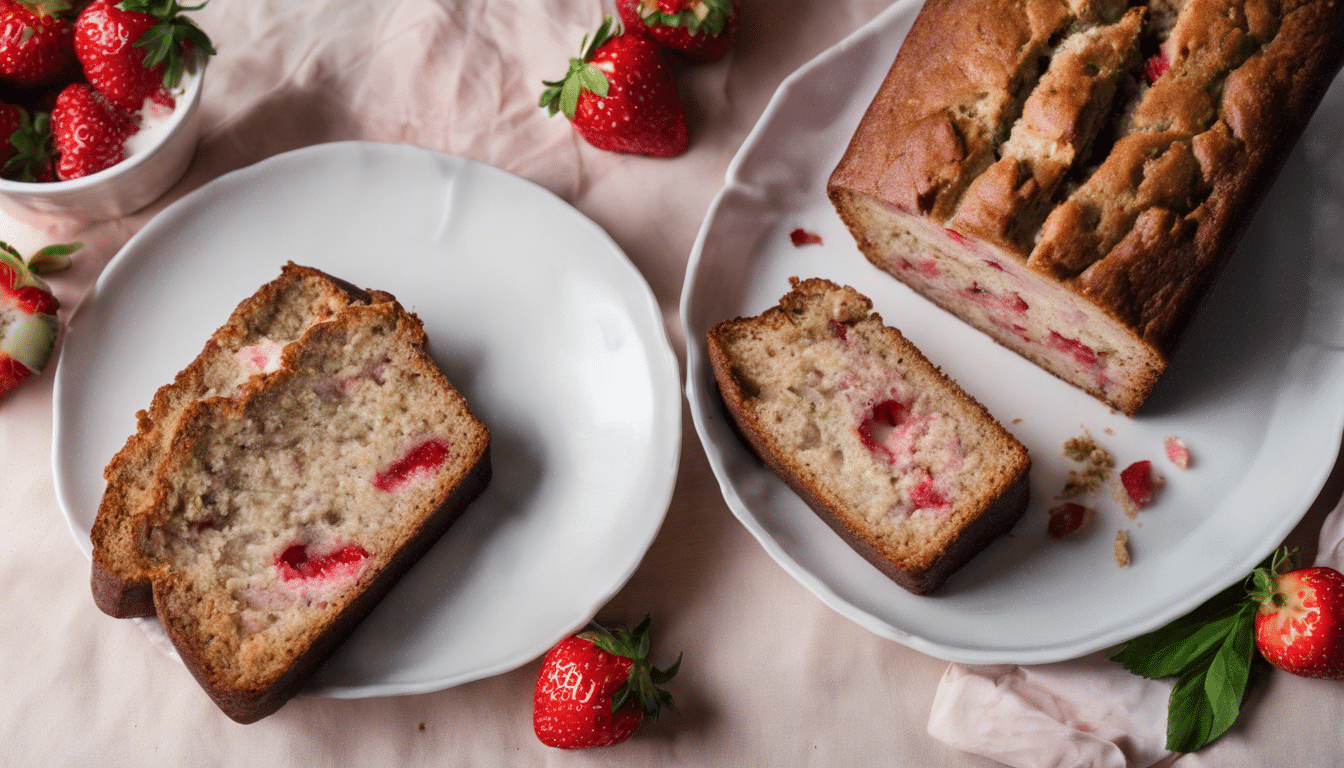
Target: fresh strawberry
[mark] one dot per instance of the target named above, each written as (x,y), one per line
(28,322)
(137,49)
(1299,626)
(620,96)
(700,30)
(596,687)
(36,41)
(90,131)
(26,150)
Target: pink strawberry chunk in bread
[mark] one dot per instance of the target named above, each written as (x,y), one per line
(892,454)
(283,515)
(248,344)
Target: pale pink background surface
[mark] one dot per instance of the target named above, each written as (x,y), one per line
(771,676)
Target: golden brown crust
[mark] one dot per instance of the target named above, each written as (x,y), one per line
(119,588)
(243,694)
(967,531)
(1150,217)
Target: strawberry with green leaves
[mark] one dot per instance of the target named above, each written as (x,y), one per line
(36,41)
(620,96)
(28,323)
(90,131)
(1299,625)
(26,148)
(1294,618)
(700,30)
(596,687)
(137,49)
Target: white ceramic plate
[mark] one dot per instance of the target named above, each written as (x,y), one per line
(532,311)
(1257,393)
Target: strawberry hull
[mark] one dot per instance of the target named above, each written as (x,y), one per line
(701,45)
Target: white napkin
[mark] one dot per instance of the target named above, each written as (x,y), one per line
(1085,713)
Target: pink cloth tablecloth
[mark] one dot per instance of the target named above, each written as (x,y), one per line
(771,676)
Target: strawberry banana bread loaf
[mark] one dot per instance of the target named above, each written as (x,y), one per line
(248,345)
(1070,175)
(890,452)
(283,515)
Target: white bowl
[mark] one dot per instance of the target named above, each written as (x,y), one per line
(127,186)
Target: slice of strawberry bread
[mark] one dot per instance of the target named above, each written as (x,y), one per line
(282,516)
(914,474)
(247,345)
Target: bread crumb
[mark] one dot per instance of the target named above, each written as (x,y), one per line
(1109,431)
(1079,448)
(1122,497)
(1122,548)
(1017,421)
(1081,482)
(421,727)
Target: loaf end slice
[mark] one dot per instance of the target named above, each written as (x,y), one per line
(283,516)
(248,345)
(905,466)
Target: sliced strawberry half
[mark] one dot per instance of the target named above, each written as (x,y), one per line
(28,323)
(1299,625)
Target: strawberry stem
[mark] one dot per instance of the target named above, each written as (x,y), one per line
(33,145)
(563,95)
(174,35)
(642,684)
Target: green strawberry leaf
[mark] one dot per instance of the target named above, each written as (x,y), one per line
(53,258)
(1212,650)
(165,42)
(569,96)
(12,256)
(591,77)
(563,95)
(713,22)
(1170,649)
(33,145)
(644,678)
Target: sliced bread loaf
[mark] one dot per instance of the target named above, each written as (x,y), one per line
(247,345)
(914,474)
(282,515)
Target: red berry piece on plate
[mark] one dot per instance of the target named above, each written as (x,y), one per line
(1139,482)
(700,30)
(1177,452)
(801,237)
(620,96)
(596,687)
(137,49)
(1299,626)
(36,41)
(28,323)
(90,131)
(1068,518)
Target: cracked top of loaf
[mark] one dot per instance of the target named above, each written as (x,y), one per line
(1117,148)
